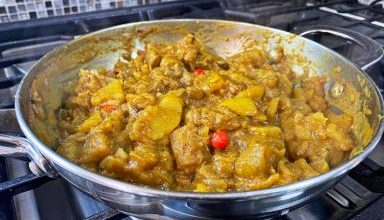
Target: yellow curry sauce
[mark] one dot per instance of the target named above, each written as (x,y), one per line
(150,120)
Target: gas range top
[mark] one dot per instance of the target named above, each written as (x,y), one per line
(358,196)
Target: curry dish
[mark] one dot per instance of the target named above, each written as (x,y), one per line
(177,117)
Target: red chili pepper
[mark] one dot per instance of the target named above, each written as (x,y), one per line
(199,71)
(220,139)
(108,107)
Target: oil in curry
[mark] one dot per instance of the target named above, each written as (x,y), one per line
(150,120)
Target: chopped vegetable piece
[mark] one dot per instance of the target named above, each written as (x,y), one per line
(167,116)
(91,122)
(220,139)
(272,107)
(199,71)
(271,131)
(261,117)
(108,107)
(253,162)
(112,91)
(253,92)
(172,101)
(210,82)
(200,187)
(164,122)
(240,105)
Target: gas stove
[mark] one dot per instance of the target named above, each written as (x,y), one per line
(360,195)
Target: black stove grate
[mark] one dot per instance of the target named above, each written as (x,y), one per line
(5,201)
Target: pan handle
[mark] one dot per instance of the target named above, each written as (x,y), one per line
(13,145)
(373,51)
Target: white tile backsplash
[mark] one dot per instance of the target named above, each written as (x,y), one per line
(10,10)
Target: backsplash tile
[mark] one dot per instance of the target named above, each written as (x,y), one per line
(19,10)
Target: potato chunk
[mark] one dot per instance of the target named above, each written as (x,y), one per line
(224,162)
(253,92)
(91,122)
(114,165)
(252,162)
(272,108)
(267,131)
(167,117)
(209,82)
(155,122)
(113,90)
(241,106)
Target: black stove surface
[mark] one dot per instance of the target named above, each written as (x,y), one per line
(358,196)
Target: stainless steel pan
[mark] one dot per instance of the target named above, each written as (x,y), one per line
(41,91)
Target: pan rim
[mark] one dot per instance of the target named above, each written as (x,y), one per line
(108,182)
